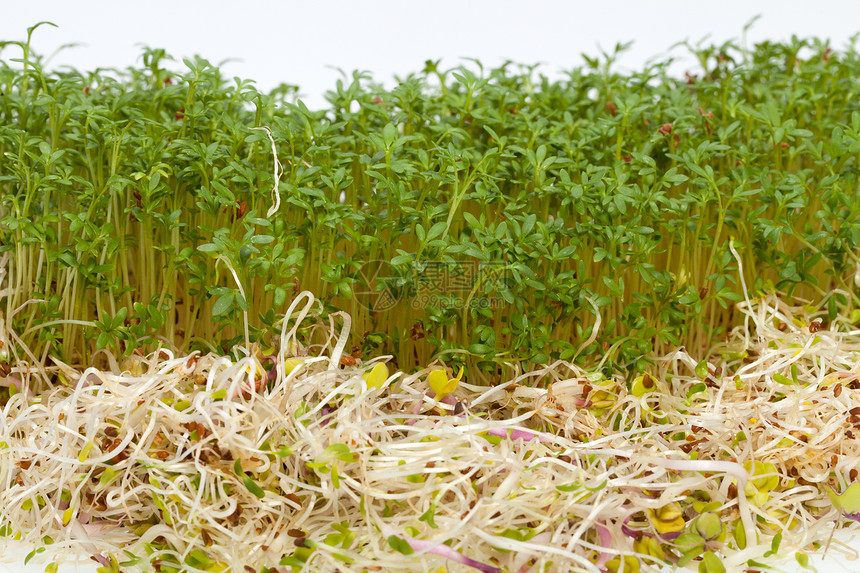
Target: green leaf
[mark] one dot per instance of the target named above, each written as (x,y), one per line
(803,560)
(400,545)
(290,561)
(848,501)
(253,487)
(711,563)
(223,304)
(782,379)
(429,515)
(702,369)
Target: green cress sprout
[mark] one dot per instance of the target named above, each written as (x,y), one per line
(469,212)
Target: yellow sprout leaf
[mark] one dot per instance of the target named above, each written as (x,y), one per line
(441,384)
(667,519)
(376,377)
(85,453)
(631,564)
(848,501)
(291,364)
(67,515)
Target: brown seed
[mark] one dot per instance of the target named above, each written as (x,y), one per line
(849,434)
(111,431)
(294,498)
(233,518)
(837,390)
(782,326)
(855,411)
(120,457)
(814,326)
(834,459)
(61,416)
(733,490)
(296,533)
(852,475)
(417,332)
(665,129)
(299,542)
(161,455)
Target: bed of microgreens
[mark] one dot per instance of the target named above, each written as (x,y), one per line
(544,332)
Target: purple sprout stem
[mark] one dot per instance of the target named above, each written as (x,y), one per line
(606,541)
(515,434)
(446,552)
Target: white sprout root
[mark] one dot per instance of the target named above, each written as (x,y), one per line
(200,463)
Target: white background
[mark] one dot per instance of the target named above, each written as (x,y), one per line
(296,42)
(300,42)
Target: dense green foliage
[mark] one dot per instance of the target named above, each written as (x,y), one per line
(503,206)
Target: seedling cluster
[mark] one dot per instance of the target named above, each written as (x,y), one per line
(620,312)
(487,220)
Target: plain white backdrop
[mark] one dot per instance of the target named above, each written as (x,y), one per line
(298,42)
(301,42)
